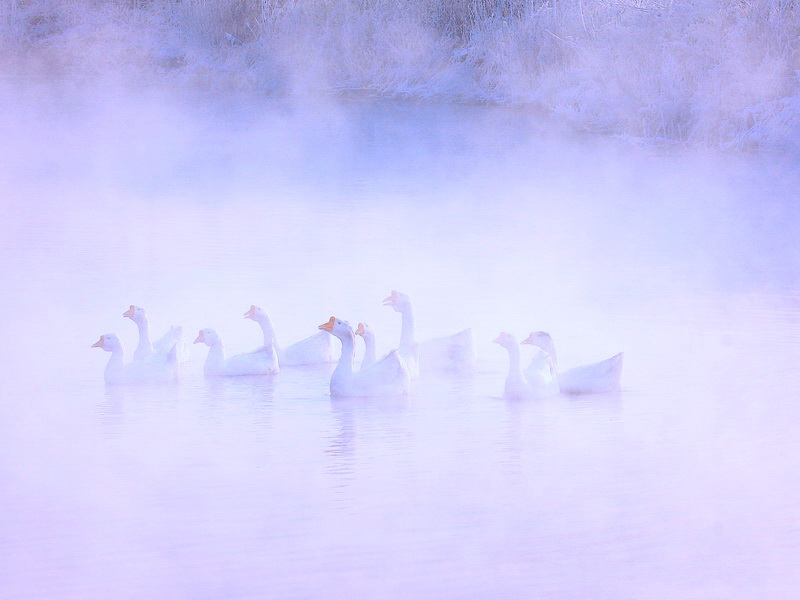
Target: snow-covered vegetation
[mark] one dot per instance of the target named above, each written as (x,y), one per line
(713,72)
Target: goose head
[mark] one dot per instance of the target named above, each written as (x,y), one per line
(541,339)
(109,342)
(255,313)
(208,336)
(506,340)
(398,301)
(136,314)
(365,330)
(337,327)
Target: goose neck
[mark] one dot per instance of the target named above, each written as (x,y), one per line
(268,329)
(115,361)
(408,329)
(514,357)
(370,354)
(216,353)
(345,366)
(145,346)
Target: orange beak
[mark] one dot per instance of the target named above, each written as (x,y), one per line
(250,314)
(99,343)
(391,299)
(360,329)
(200,338)
(499,338)
(329,325)
(129,313)
(528,340)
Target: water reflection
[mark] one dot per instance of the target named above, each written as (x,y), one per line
(257,389)
(342,444)
(121,404)
(359,423)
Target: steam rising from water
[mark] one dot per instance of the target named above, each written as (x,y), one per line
(206,205)
(477,212)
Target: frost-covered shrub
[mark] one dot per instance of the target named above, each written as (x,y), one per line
(719,72)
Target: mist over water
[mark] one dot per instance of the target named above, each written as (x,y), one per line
(197,204)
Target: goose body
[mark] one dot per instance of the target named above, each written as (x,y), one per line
(454,353)
(158,367)
(594,378)
(146,347)
(537,381)
(541,374)
(261,361)
(313,350)
(388,376)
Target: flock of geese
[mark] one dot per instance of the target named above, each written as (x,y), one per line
(390,375)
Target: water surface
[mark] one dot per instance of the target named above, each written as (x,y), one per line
(684,484)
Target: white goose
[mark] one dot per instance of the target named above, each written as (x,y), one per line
(449,353)
(370,354)
(160,366)
(387,377)
(262,361)
(538,381)
(594,378)
(313,350)
(145,347)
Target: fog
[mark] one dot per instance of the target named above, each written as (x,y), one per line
(168,160)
